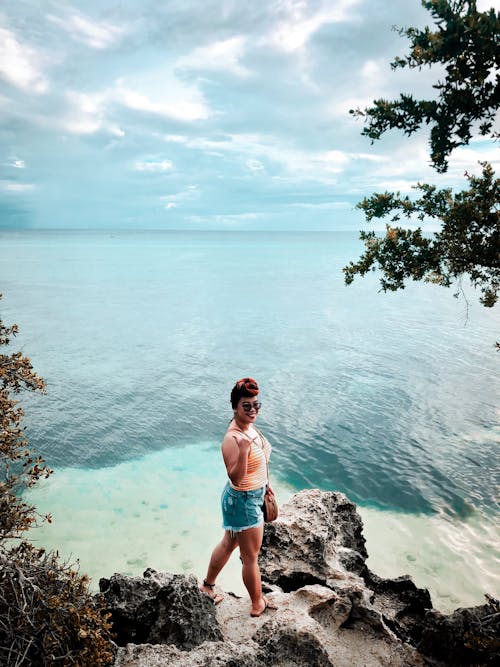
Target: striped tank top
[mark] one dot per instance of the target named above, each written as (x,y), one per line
(260,451)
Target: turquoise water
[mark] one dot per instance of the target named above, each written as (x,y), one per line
(390,398)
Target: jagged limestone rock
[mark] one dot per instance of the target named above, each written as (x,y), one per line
(332,610)
(159,608)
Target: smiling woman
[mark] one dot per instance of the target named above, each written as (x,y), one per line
(246,454)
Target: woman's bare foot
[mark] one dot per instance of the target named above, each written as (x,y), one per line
(262,606)
(209,589)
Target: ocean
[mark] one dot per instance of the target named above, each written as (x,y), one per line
(390,398)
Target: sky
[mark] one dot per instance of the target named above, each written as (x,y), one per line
(206,115)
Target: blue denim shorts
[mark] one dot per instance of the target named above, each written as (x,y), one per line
(241,509)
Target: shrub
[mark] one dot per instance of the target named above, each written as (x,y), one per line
(48,616)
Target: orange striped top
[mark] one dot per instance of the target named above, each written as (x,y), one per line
(256,475)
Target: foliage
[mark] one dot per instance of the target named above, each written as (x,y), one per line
(47,615)
(468,242)
(467,43)
(20,468)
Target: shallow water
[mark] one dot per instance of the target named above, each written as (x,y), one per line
(162,511)
(390,398)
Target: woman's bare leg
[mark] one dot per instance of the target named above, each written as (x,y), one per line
(250,541)
(220,556)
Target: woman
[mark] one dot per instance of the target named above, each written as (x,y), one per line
(246,454)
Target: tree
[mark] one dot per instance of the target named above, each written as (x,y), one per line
(20,468)
(467,43)
(47,614)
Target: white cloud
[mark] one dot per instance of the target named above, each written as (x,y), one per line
(176,138)
(10,186)
(97,35)
(466,158)
(372,81)
(255,165)
(334,161)
(191,193)
(179,101)
(251,148)
(17,163)
(153,165)
(395,185)
(218,56)
(229,220)
(298,24)
(86,113)
(484,5)
(372,68)
(329,205)
(19,64)
(370,157)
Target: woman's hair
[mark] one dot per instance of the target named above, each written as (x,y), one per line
(244,388)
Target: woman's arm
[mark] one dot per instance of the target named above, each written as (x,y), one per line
(235,453)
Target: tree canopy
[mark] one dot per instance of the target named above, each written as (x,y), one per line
(466,42)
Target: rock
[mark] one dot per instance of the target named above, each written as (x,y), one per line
(465,637)
(332,610)
(402,605)
(159,608)
(305,630)
(317,539)
(209,654)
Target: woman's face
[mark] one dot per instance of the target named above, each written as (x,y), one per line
(247,409)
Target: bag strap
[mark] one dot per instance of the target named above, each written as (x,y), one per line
(262,438)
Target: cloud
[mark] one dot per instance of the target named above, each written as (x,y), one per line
(395,185)
(173,99)
(255,165)
(10,186)
(91,112)
(225,220)
(19,64)
(86,113)
(97,35)
(253,149)
(328,205)
(153,165)
(298,23)
(222,56)
(249,101)
(190,193)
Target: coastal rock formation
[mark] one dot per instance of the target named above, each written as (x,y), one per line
(331,609)
(159,608)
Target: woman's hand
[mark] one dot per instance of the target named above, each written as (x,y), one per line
(244,444)
(235,450)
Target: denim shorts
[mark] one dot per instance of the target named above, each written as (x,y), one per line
(241,509)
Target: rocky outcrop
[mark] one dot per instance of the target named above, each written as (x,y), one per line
(159,608)
(465,637)
(331,609)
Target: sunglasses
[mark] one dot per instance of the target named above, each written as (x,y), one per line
(247,407)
